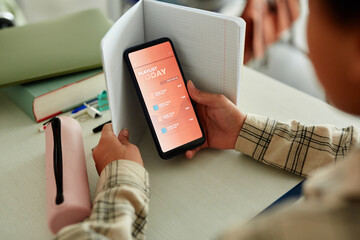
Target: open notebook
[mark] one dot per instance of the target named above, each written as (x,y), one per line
(210,48)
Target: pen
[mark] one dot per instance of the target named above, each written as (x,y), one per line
(78,109)
(93,112)
(84,105)
(100,127)
(78,113)
(72,108)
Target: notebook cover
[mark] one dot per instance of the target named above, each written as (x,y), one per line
(47,49)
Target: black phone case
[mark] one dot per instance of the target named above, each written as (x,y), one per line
(183,148)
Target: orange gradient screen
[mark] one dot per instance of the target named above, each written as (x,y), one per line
(165,96)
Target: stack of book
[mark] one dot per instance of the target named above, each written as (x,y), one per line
(53,66)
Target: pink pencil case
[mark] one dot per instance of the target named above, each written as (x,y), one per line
(67,188)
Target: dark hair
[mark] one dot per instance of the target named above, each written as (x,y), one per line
(344,11)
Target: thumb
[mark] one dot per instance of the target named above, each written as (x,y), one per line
(107,129)
(199,96)
(124,136)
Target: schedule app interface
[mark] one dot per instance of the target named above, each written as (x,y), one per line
(165,96)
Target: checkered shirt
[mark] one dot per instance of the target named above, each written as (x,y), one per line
(331,209)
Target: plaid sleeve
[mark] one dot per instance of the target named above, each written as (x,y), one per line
(120,206)
(293,146)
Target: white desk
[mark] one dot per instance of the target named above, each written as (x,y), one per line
(190,199)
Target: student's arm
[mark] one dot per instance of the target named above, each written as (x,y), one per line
(121,200)
(329,210)
(291,146)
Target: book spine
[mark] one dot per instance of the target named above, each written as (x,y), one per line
(25,102)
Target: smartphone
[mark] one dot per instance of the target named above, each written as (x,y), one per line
(161,88)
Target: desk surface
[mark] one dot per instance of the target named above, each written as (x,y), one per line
(190,199)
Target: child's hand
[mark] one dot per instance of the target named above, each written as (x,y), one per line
(219,117)
(112,148)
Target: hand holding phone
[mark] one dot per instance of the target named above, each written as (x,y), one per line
(161,88)
(220,118)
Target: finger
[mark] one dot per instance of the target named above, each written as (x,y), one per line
(124,136)
(196,150)
(191,153)
(201,96)
(107,129)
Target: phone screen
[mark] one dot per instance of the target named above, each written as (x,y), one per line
(166,98)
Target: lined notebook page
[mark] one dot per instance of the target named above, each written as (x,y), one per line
(209,45)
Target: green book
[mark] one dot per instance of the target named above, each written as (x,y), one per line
(52,48)
(46,98)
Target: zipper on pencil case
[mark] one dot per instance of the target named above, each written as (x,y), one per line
(58,161)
